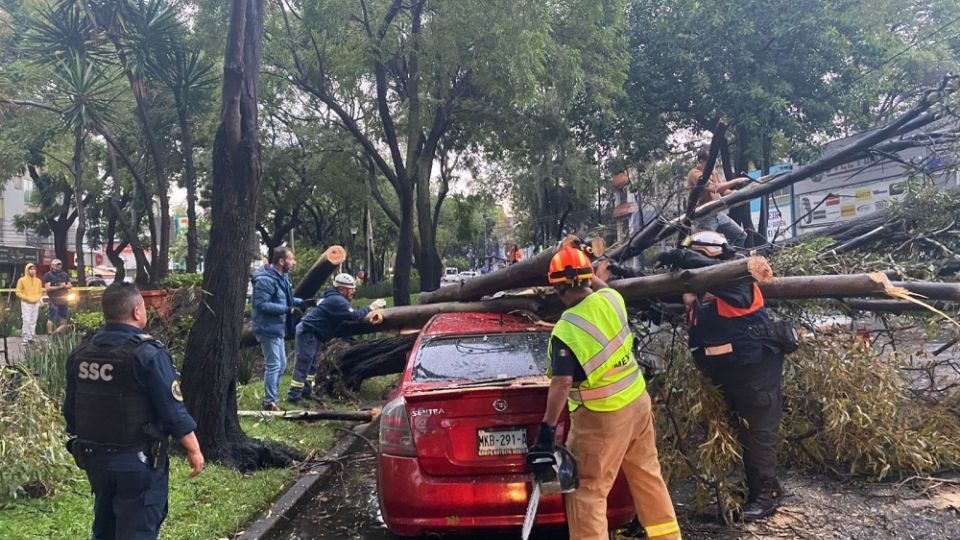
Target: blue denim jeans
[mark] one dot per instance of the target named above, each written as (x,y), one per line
(275,363)
(722,224)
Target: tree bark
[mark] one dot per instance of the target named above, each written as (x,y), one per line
(210,363)
(190,182)
(80,136)
(413,317)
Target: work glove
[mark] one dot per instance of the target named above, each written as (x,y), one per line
(296,312)
(379,303)
(540,456)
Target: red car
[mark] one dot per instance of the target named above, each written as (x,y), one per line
(453,438)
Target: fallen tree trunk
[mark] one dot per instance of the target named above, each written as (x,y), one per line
(852,285)
(309,286)
(526,273)
(697,280)
(410,317)
(863,147)
(345,416)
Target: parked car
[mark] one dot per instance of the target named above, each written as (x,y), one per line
(450,275)
(466,274)
(454,434)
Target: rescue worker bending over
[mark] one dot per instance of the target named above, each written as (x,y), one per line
(122,404)
(593,372)
(320,325)
(732,344)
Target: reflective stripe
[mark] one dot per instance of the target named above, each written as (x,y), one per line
(609,346)
(616,306)
(296,384)
(662,529)
(311,377)
(605,391)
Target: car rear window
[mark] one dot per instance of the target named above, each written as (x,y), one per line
(480,357)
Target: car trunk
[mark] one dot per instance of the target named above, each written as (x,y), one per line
(477,431)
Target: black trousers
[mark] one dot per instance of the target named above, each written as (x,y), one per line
(754,397)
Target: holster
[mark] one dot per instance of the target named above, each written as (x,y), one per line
(76,450)
(157,446)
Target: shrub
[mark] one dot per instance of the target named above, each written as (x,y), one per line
(47,361)
(181,281)
(89,321)
(32,448)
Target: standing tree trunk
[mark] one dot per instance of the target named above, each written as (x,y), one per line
(190,179)
(80,137)
(210,363)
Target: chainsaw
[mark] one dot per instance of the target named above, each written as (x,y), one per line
(562,477)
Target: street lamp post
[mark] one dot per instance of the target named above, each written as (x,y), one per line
(353,242)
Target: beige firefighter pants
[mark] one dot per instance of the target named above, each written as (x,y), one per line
(603,443)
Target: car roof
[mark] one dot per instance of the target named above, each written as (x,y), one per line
(477,323)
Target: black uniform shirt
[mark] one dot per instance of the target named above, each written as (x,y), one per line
(153,371)
(564,363)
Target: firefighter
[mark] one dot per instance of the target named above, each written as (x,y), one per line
(593,372)
(122,404)
(732,344)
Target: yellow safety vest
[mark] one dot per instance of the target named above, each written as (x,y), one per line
(598,333)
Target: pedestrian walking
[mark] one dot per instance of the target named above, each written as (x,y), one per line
(30,293)
(122,405)
(274,312)
(57,283)
(320,325)
(593,371)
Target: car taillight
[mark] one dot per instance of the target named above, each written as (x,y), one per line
(396,438)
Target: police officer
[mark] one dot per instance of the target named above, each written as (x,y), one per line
(122,404)
(733,346)
(594,373)
(320,325)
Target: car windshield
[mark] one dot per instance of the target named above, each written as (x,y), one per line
(498,357)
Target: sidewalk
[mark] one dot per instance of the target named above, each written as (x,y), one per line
(16,349)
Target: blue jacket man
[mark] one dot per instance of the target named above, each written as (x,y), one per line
(321,324)
(122,404)
(274,310)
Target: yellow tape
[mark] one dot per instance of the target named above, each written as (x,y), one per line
(72,289)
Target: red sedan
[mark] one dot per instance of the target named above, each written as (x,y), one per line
(453,438)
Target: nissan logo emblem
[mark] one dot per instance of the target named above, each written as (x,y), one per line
(500,405)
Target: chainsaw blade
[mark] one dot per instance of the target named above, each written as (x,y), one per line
(531,511)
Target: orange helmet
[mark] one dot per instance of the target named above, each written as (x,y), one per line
(569,266)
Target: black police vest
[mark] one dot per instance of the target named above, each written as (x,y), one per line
(110,407)
(718,325)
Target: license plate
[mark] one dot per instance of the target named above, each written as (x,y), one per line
(500,442)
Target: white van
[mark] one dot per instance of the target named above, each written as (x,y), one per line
(450,275)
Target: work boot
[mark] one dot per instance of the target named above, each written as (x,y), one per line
(271,406)
(759,508)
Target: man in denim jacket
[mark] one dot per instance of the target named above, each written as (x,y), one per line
(274,310)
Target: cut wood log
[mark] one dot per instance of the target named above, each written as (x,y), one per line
(322,269)
(345,416)
(309,285)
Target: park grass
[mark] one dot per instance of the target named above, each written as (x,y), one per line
(217,504)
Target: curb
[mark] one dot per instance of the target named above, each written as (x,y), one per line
(271,519)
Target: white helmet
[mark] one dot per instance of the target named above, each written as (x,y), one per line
(345,280)
(710,243)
